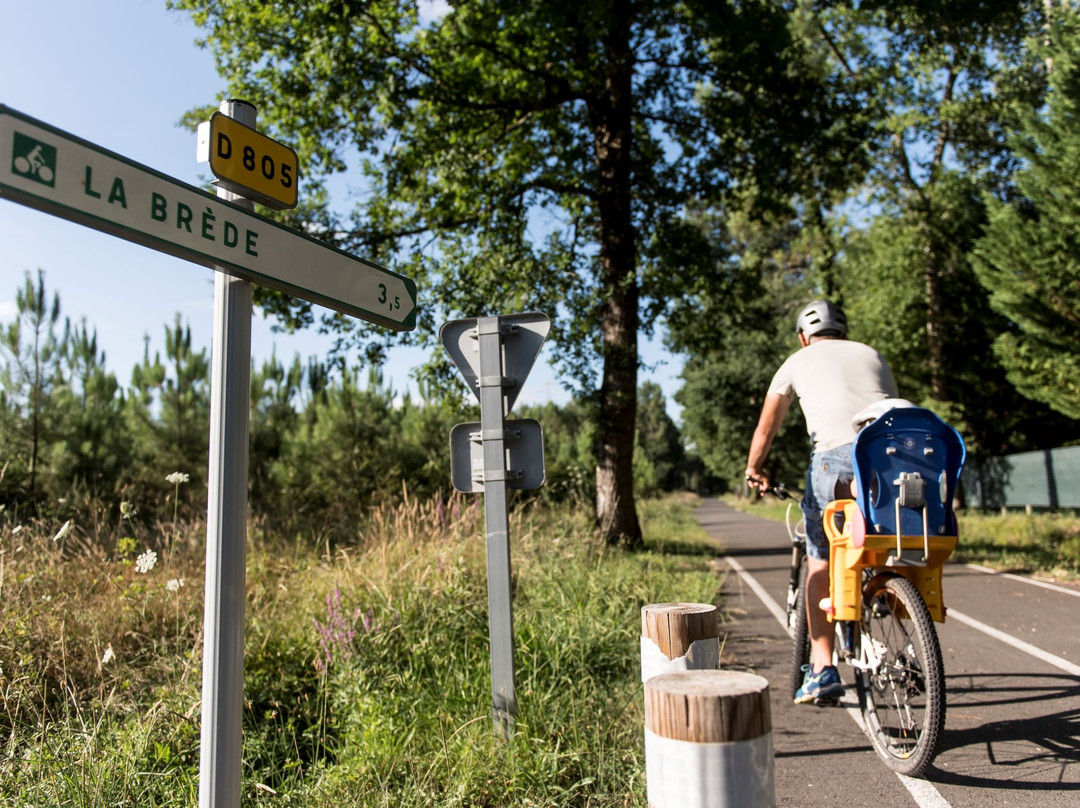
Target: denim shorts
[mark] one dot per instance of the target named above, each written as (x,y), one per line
(828,469)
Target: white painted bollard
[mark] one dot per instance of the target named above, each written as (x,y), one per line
(708,741)
(678,637)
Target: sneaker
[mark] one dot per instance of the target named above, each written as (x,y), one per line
(821,686)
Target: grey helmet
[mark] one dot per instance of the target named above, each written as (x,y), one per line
(822,318)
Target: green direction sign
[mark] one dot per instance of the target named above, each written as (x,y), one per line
(53,171)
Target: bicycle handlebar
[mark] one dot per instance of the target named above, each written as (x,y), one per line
(781,491)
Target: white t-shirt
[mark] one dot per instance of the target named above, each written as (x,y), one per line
(834,379)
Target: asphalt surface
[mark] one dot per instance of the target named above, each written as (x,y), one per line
(1012,733)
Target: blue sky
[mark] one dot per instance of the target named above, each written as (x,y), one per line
(120,74)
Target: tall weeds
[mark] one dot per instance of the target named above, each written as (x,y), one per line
(366,673)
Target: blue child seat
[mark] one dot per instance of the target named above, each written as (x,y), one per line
(888,454)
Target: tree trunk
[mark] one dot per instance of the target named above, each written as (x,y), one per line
(35,398)
(935,315)
(612,127)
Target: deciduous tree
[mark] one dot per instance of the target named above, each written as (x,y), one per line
(540,153)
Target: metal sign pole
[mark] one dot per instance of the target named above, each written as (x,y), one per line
(500,613)
(511,456)
(226,530)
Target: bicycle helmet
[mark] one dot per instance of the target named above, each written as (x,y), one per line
(822,318)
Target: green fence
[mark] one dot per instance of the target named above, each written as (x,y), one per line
(1046,479)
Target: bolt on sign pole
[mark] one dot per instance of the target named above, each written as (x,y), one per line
(226,529)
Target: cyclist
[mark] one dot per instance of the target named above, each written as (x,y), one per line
(834,378)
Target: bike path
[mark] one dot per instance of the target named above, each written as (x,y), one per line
(1012,733)
(1039,615)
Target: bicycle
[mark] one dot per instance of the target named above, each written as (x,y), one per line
(885,588)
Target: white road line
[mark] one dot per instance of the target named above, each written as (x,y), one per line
(923,792)
(1024,580)
(770,604)
(1020,645)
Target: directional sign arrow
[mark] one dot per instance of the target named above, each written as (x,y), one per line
(524,336)
(53,171)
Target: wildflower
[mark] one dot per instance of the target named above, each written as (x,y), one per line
(176,478)
(336,636)
(369,620)
(107,657)
(146,561)
(174,584)
(127,510)
(63,531)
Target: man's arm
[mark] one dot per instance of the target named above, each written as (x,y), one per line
(772,416)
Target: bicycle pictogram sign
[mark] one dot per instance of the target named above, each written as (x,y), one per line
(33,159)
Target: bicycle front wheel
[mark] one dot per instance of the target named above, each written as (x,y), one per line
(900,676)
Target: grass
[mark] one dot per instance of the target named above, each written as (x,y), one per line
(1043,544)
(366,674)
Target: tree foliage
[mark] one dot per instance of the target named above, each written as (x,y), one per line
(34,351)
(1029,258)
(952,81)
(952,77)
(327,441)
(736,342)
(539,154)
(659,456)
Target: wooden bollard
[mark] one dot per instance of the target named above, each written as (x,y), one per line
(678,637)
(708,741)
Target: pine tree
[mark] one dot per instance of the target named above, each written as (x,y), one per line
(275,391)
(34,352)
(169,414)
(658,446)
(1029,258)
(93,447)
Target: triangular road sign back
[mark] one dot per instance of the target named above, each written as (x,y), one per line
(523,336)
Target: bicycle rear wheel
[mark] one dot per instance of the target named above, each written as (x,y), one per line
(900,676)
(800,649)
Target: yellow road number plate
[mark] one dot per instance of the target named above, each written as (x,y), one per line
(249,163)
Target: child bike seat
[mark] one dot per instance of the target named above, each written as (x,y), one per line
(907,465)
